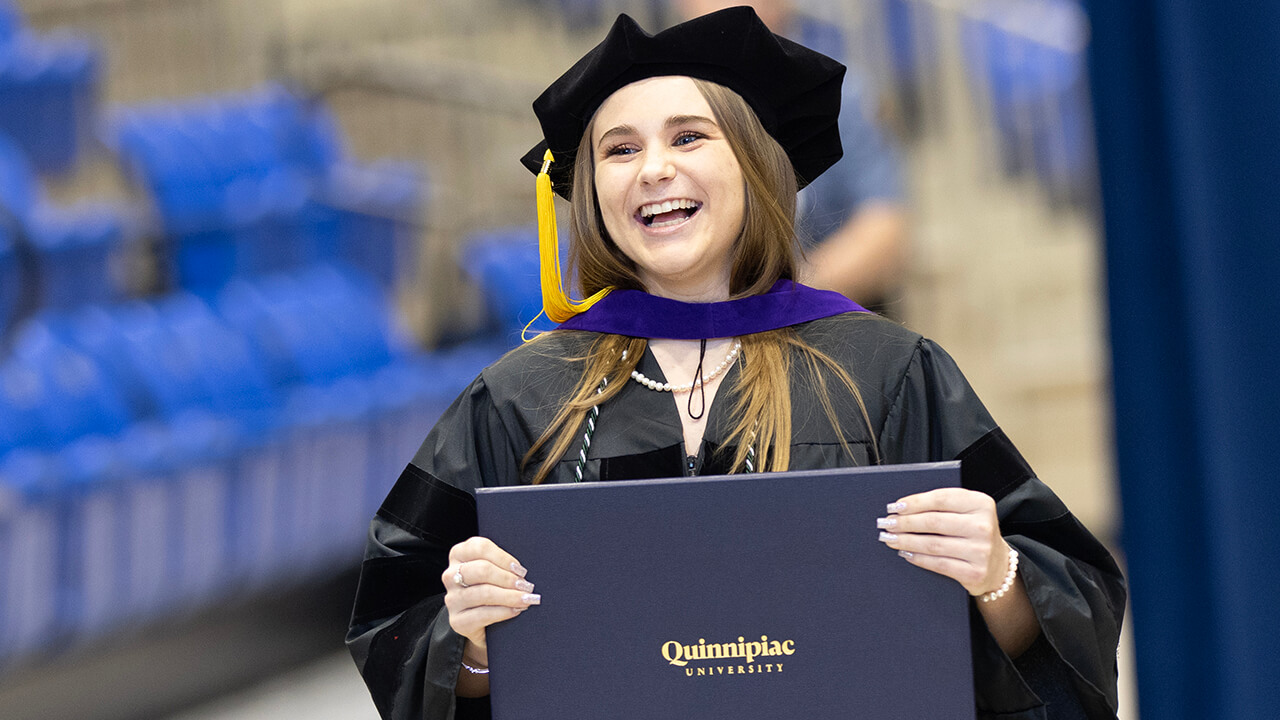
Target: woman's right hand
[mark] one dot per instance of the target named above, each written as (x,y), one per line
(483,585)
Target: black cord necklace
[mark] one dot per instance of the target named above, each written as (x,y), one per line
(697,384)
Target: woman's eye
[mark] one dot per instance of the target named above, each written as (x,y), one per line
(686,138)
(619,150)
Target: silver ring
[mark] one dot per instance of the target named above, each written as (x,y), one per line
(457,577)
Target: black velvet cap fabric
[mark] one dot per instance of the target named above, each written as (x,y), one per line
(794,91)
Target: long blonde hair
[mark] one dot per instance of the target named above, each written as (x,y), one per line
(765,251)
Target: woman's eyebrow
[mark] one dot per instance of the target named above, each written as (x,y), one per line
(616,130)
(688,119)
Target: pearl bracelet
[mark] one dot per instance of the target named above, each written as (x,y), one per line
(1008,579)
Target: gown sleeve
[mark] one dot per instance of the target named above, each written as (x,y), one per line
(1075,587)
(399,634)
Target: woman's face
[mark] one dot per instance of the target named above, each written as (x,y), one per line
(670,189)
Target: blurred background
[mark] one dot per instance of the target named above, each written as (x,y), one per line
(250,249)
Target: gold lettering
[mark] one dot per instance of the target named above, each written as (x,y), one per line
(680,655)
(689,672)
(671,650)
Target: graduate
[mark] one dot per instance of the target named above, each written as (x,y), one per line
(694,351)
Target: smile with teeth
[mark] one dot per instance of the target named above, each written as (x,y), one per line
(668,213)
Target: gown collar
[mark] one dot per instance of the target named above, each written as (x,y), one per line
(635,313)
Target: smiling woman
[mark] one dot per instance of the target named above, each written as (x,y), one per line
(670,190)
(764,248)
(681,154)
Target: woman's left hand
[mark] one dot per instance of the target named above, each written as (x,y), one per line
(951,531)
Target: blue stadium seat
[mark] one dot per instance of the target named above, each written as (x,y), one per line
(149,498)
(18,189)
(23,393)
(48,96)
(72,395)
(315,326)
(75,252)
(93,564)
(237,381)
(376,209)
(204,448)
(259,492)
(74,247)
(30,534)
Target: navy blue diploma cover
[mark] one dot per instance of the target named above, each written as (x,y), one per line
(742,596)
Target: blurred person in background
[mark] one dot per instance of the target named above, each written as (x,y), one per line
(852,220)
(692,348)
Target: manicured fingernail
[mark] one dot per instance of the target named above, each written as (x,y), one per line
(906,554)
(518,569)
(886,523)
(524,585)
(531,599)
(897,507)
(887,537)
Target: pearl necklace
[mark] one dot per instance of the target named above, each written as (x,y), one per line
(668,387)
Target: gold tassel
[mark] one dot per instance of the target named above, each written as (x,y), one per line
(557,304)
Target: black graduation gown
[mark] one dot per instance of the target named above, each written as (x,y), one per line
(921,409)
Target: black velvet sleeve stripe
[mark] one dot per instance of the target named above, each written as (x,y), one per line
(993,465)
(1071,537)
(430,508)
(391,585)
